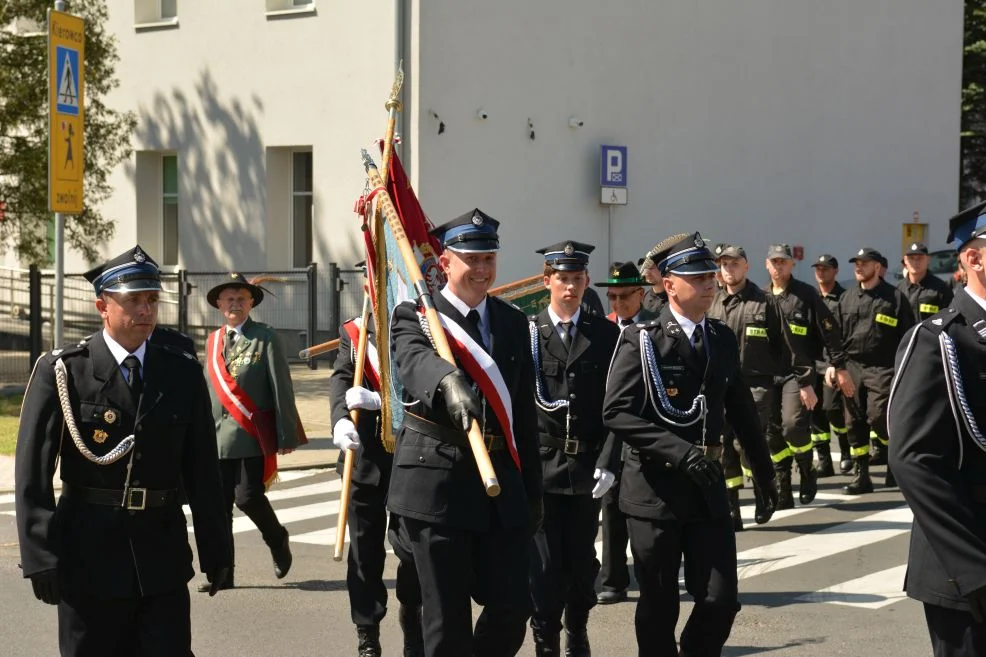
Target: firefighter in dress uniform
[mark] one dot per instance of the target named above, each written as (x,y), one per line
(367,518)
(464,544)
(937,420)
(129,422)
(571,351)
(671,383)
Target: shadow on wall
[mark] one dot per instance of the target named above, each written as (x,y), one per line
(221,162)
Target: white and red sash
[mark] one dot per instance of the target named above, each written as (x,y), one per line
(482,369)
(371,368)
(238,404)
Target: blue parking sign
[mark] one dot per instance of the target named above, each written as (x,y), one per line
(613,166)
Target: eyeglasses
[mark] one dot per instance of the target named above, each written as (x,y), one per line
(613,296)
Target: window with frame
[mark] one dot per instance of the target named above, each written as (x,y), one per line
(169,210)
(302,207)
(155,13)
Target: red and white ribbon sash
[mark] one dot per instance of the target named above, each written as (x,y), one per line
(371,368)
(482,369)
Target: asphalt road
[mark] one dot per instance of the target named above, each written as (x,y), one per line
(821,580)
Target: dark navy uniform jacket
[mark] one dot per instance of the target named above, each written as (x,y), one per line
(107,550)
(939,465)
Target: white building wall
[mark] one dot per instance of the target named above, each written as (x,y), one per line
(824,124)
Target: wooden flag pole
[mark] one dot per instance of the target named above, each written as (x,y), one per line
(486,471)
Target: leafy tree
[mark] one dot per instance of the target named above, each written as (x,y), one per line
(973,179)
(24,130)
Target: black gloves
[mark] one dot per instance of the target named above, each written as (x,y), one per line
(217,579)
(461,401)
(535,511)
(46,587)
(766,497)
(704,471)
(977,604)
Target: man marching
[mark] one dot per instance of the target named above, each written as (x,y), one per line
(464,544)
(937,414)
(128,421)
(253,407)
(671,382)
(571,351)
(367,518)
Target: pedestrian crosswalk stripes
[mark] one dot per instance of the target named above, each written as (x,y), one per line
(307,503)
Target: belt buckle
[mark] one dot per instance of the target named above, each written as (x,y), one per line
(571,446)
(136,499)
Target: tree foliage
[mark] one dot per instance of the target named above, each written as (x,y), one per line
(973,179)
(24,130)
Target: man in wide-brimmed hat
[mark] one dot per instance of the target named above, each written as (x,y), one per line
(254,409)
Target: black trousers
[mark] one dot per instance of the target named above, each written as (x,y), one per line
(828,416)
(243,484)
(151,626)
(709,548)
(788,434)
(563,561)
(454,566)
(733,460)
(367,526)
(872,395)
(954,633)
(614,574)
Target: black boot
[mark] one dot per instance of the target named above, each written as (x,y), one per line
(808,485)
(861,483)
(785,498)
(206,586)
(577,634)
(409,617)
(878,454)
(546,644)
(734,509)
(369,641)
(845,463)
(281,552)
(825,468)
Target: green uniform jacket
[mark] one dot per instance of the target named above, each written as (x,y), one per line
(260,367)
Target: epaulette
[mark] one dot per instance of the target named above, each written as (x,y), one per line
(70,350)
(937,323)
(177,351)
(532,318)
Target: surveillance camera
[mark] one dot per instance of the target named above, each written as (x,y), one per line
(575,122)
(482,114)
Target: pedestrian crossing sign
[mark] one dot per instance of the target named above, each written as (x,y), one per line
(66,111)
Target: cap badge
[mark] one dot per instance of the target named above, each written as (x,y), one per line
(139,255)
(914,247)
(569,249)
(477,220)
(699,242)
(100,436)
(109,416)
(615,273)
(821,258)
(861,252)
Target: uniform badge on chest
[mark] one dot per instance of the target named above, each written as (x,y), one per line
(672,392)
(109,416)
(100,436)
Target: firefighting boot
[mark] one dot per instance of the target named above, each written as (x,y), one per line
(808,485)
(845,463)
(825,468)
(577,633)
(409,617)
(734,509)
(878,451)
(861,483)
(785,498)
(369,641)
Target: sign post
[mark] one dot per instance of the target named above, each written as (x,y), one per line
(66,116)
(613,175)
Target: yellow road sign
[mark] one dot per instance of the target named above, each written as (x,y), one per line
(66,111)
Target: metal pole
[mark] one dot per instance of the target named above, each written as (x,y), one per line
(35,312)
(312,309)
(609,237)
(59,328)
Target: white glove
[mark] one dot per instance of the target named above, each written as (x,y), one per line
(344,435)
(604,481)
(357,397)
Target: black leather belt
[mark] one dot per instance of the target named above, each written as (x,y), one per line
(711,451)
(568,445)
(137,499)
(450,435)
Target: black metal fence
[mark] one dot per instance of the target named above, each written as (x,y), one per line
(305,307)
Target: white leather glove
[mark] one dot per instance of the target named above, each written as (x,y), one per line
(344,435)
(357,397)
(604,481)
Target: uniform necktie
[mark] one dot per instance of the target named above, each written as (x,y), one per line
(136,384)
(626,322)
(566,333)
(230,341)
(473,317)
(698,342)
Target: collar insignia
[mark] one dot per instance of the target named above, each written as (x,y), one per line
(937,321)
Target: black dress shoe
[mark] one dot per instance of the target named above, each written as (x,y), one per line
(206,586)
(611,597)
(282,557)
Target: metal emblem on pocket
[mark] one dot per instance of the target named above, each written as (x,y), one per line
(109,416)
(100,436)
